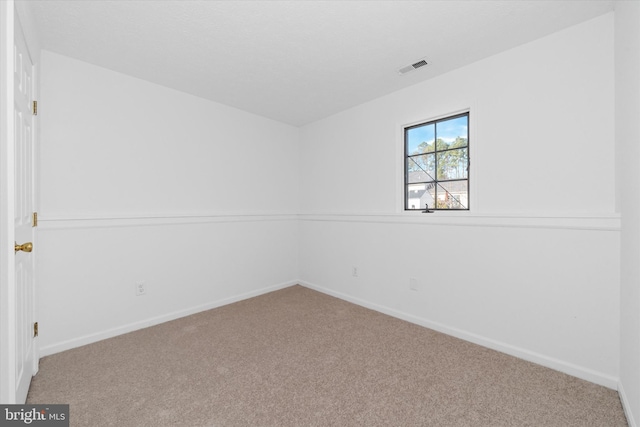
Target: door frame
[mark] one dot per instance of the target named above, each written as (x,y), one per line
(7,207)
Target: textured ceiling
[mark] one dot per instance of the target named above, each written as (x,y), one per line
(295,61)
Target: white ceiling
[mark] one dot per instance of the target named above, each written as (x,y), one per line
(295,61)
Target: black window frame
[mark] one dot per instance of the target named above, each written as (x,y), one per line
(435,182)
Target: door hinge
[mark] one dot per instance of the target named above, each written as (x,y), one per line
(35,108)
(35,329)
(34,222)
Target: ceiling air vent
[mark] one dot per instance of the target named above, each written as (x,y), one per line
(414,66)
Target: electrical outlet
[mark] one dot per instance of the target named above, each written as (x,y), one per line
(141,288)
(354,271)
(413,284)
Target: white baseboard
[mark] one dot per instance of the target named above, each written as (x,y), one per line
(626,406)
(559,365)
(110,333)
(540,359)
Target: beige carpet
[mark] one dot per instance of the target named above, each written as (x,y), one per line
(297,357)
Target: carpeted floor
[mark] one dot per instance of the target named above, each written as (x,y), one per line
(297,357)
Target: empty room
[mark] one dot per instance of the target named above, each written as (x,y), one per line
(320,213)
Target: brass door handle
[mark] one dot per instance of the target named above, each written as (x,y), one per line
(26,247)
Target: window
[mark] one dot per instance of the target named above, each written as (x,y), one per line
(436,173)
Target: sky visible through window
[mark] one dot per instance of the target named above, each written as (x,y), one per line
(448,131)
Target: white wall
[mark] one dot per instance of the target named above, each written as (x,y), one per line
(533,268)
(627,61)
(140,182)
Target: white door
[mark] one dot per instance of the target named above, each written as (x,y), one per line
(24,147)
